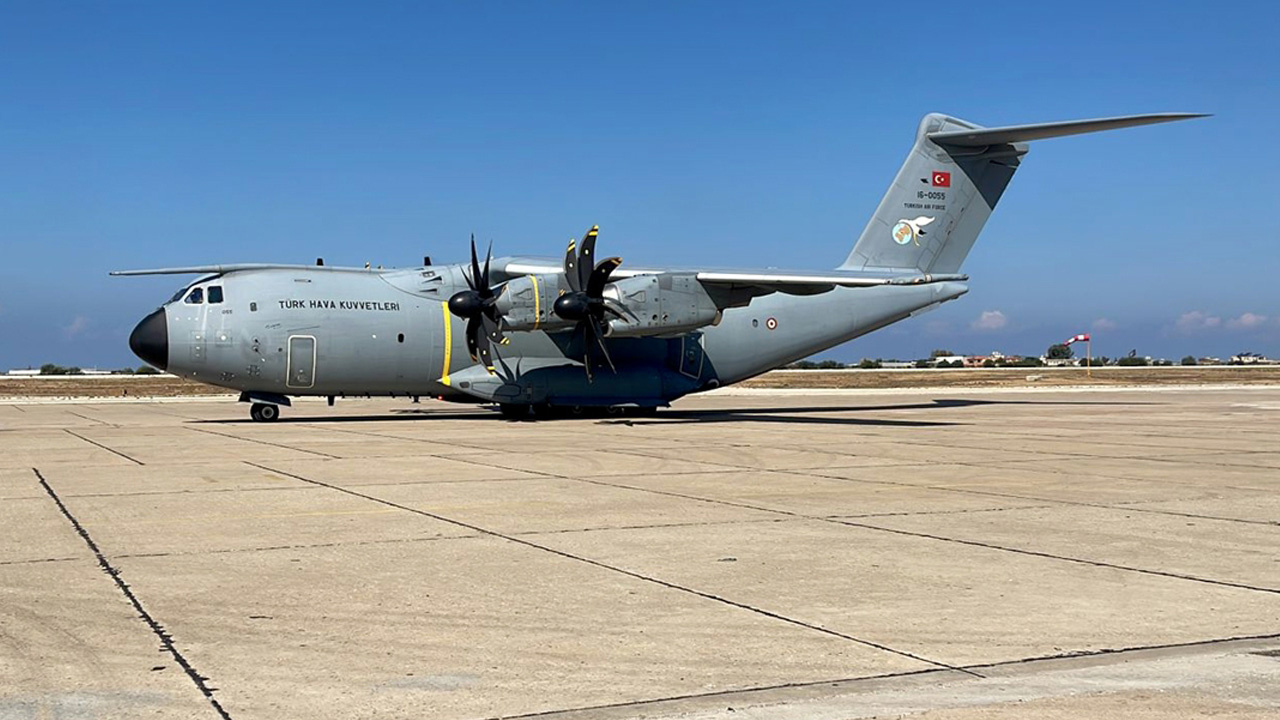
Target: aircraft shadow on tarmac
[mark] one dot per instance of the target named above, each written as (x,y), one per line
(818,414)
(806,414)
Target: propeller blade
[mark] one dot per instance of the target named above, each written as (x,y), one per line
(472,344)
(474,280)
(620,311)
(595,330)
(600,276)
(487,292)
(571,266)
(585,255)
(492,329)
(586,348)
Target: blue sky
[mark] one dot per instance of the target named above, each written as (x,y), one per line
(732,134)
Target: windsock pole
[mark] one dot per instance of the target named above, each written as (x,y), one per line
(1088,351)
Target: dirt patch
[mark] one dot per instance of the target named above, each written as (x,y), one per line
(112,386)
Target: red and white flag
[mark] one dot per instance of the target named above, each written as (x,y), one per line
(941,179)
(1077,338)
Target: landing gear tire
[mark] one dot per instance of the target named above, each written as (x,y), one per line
(514,411)
(261,412)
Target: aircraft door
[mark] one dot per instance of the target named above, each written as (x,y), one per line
(691,355)
(302,361)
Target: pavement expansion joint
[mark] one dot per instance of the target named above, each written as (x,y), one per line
(104,447)
(1065,558)
(166,640)
(757,701)
(629,573)
(264,442)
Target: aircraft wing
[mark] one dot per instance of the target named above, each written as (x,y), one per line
(735,288)
(224,269)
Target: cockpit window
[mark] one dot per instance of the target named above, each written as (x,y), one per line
(196,297)
(215,294)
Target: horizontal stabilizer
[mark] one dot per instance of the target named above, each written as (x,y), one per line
(983,137)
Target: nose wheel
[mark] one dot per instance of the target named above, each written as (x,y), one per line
(261,412)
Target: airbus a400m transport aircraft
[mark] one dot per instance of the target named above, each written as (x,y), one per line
(538,335)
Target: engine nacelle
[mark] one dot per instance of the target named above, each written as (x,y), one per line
(526,303)
(666,304)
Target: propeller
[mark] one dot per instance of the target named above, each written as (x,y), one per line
(585,301)
(478,306)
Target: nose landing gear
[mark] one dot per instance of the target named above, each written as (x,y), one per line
(262,412)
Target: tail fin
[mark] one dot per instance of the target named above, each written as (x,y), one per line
(948,186)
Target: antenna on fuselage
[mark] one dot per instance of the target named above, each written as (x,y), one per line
(320,262)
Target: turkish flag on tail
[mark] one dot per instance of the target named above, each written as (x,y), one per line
(941,179)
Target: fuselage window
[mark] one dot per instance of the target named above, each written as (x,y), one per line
(215,294)
(196,297)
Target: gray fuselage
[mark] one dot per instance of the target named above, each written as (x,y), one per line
(342,332)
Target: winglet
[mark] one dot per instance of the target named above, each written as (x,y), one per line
(983,137)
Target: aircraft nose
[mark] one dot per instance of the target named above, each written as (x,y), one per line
(150,340)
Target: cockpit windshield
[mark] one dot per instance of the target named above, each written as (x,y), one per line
(195,297)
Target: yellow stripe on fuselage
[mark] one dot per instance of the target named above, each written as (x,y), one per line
(537,315)
(448,343)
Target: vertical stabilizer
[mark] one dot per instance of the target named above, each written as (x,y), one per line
(938,203)
(950,183)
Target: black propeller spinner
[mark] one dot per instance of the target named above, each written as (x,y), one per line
(585,302)
(478,306)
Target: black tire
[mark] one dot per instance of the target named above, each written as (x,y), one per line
(514,411)
(261,412)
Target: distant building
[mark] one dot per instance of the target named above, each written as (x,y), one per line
(1251,358)
(23,373)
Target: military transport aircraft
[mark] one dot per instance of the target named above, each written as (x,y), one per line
(541,336)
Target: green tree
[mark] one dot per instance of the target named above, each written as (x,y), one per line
(869,364)
(941,354)
(1189,360)
(1060,351)
(1132,361)
(831,365)
(147,370)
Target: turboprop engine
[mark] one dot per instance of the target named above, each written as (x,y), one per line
(666,304)
(653,305)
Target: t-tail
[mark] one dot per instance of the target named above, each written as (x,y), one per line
(948,186)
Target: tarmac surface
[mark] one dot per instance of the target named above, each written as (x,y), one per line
(938,554)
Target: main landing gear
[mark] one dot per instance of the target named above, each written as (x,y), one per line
(262,412)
